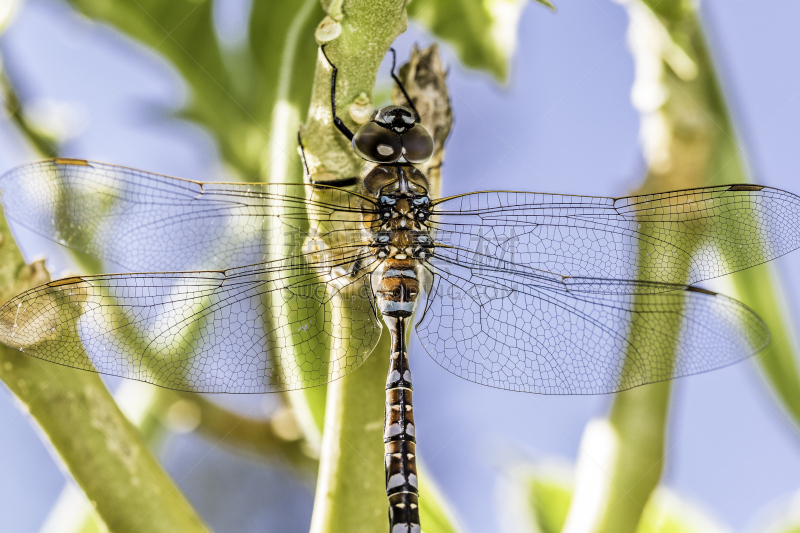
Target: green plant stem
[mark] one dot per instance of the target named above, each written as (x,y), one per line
(350,495)
(260,436)
(704,135)
(757,288)
(99,446)
(41,142)
(350,485)
(638,418)
(688,141)
(368,28)
(350,490)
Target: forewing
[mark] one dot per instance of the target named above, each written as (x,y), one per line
(502,330)
(257,329)
(149,222)
(702,233)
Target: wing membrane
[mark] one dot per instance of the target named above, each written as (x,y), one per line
(706,232)
(543,293)
(502,330)
(149,222)
(255,329)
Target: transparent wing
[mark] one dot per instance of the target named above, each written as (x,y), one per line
(149,222)
(264,328)
(705,232)
(511,332)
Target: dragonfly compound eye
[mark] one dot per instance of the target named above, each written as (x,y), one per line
(417,144)
(377,144)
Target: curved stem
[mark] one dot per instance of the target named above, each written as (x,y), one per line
(101,449)
(688,141)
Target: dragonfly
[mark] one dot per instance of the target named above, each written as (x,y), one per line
(257,288)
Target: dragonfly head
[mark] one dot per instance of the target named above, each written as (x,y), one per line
(393,135)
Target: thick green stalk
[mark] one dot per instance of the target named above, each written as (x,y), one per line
(695,93)
(356,44)
(350,484)
(688,141)
(101,449)
(350,495)
(350,490)
(99,446)
(154,411)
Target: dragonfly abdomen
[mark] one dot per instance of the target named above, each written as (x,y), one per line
(399,437)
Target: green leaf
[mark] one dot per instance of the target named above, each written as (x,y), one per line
(483,33)
(535,498)
(546,495)
(434,511)
(182,32)
(666,512)
(253,100)
(550,500)
(546,3)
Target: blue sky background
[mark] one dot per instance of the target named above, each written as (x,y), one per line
(563,124)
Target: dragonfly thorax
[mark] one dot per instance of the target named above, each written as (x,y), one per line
(401,236)
(398,225)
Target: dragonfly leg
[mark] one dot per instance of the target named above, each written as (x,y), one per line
(401,86)
(399,439)
(341,182)
(336,120)
(355,267)
(303,154)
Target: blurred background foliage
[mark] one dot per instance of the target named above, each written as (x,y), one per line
(536,497)
(251,94)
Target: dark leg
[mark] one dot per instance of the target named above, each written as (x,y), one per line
(303,155)
(341,182)
(400,85)
(336,120)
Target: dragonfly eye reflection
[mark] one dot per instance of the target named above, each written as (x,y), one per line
(377,144)
(417,144)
